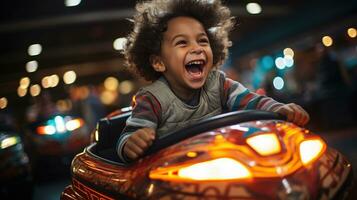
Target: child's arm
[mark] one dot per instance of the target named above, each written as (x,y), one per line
(138,142)
(294,113)
(238,97)
(140,127)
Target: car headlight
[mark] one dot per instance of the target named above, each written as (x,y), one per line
(212,170)
(9,141)
(311,149)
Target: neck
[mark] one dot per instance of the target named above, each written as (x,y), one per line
(185,95)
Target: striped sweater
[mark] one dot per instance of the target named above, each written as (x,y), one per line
(147,111)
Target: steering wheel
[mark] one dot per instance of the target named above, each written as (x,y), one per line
(211,123)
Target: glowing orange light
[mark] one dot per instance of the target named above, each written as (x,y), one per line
(310,150)
(211,170)
(191,154)
(266,144)
(218,169)
(247,158)
(219,137)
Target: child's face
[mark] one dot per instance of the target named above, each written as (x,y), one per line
(186,55)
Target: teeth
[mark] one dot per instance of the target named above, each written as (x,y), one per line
(196,62)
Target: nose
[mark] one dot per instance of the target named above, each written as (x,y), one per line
(197,50)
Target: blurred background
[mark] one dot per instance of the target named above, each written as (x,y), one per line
(61,71)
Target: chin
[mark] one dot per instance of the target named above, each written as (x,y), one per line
(196,84)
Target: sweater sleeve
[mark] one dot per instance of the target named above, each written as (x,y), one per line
(237,97)
(146,113)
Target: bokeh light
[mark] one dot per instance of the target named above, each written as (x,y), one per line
(31,66)
(280,63)
(54,80)
(289,61)
(288,52)
(119,43)
(352,32)
(24,82)
(267,62)
(108,97)
(327,41)
(50,81)
(35,90)
(34,49)
(69,77)
(111,83)
(71,3)
(278,83)
(254,8)
(45,82)
(3,102)
(21,91)
(126,87)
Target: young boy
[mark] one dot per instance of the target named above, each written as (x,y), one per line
(179,44)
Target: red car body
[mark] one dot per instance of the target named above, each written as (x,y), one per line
(239,155)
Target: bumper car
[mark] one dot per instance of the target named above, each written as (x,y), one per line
(56,138)
(15,169)
(237,155)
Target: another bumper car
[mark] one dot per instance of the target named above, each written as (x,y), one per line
(15,171)
(56,138)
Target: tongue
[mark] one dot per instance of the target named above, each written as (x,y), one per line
(194,69)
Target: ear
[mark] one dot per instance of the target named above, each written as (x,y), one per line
(157,63)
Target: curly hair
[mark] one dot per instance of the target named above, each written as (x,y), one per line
(150,22)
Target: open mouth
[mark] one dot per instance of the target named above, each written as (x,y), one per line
(195,68)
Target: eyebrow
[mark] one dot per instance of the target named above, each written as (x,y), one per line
(183,35)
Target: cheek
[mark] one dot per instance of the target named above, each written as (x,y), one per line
(178,56)
(210,55)
(173,60)
(175,54)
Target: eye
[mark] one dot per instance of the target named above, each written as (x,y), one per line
(203,41)
(180,43)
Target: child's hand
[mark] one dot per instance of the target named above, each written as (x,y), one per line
(294,113)
(138,142)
